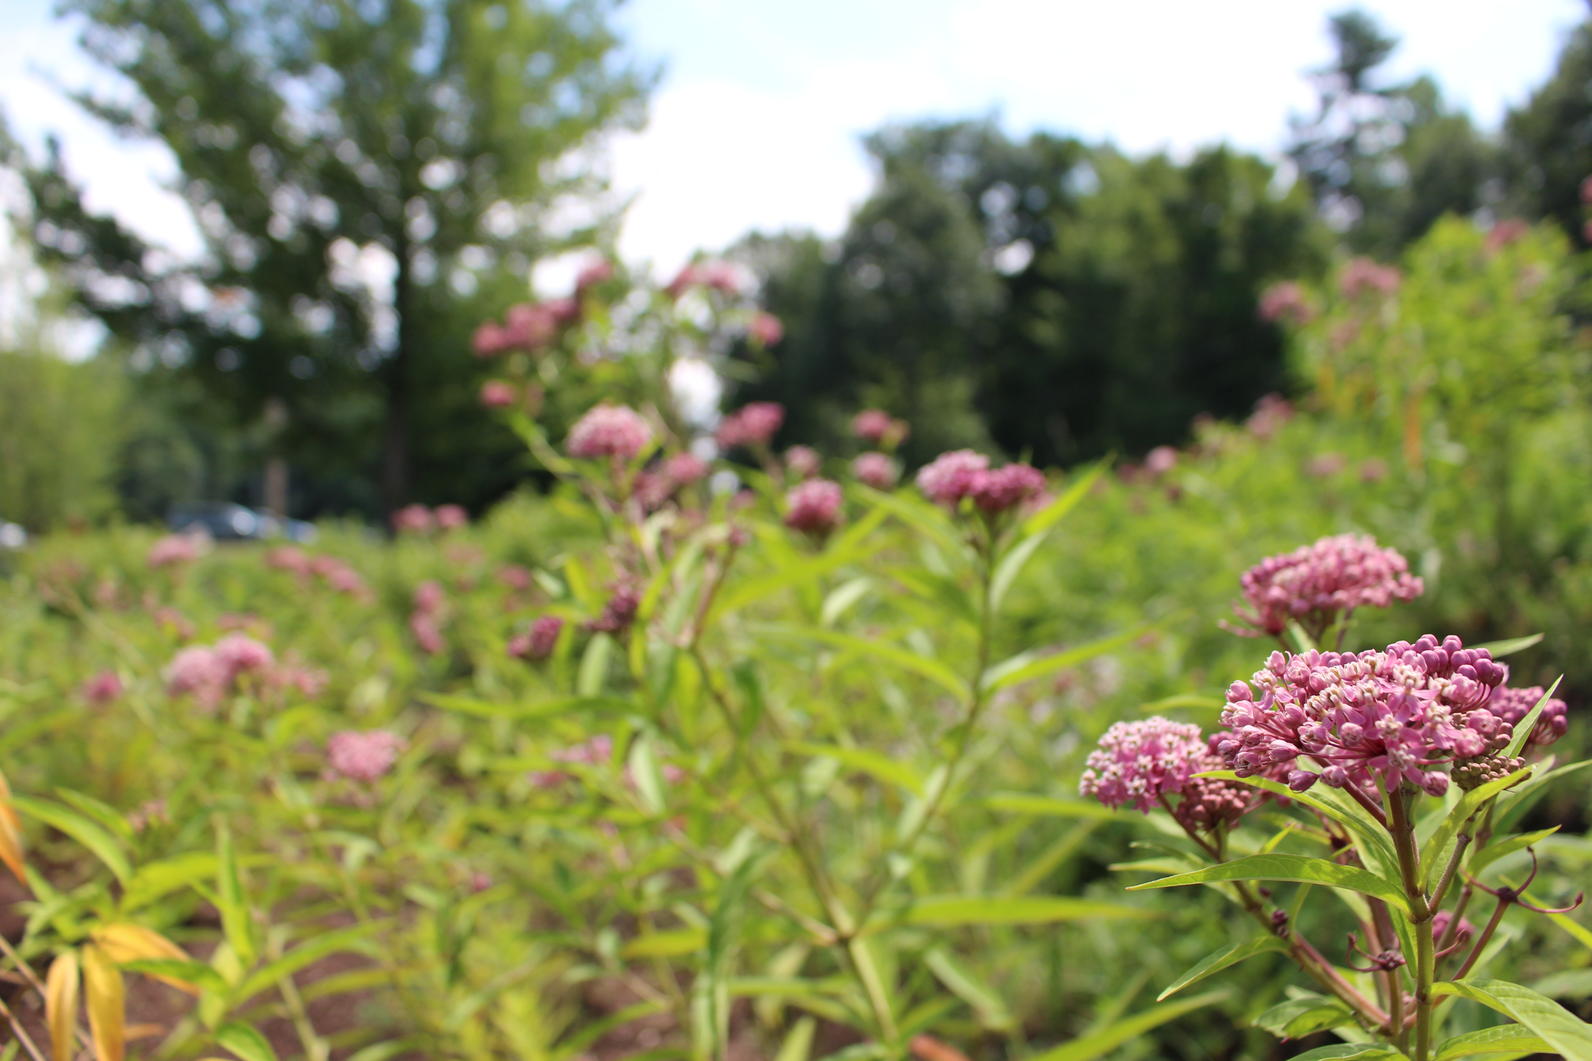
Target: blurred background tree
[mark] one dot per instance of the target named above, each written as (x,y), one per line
(368,179)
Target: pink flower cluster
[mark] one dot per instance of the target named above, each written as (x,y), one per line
(103,688)
(1362,276)
(1144,762)
(1405,714)
(597,751)
(209,673)
(364,757)
(538,642)
(528,326)
(876,470)
(716,276)
(615,431)
(497,394)
(1285,303)
(1319,582)
(813,507)
(764,329)
(418,519)
(176,550)
(962,473)
(1511,705)
(619,612)
(332,572)
(803,462)
(754,424)
(426,617)
(879,428)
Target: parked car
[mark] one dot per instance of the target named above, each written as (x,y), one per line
(225,521)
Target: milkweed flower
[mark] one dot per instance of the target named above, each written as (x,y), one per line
(802,461)
(754,424)
(538,642)
(365,756)
(683,469)
(616,431)
(1317,583)
(103,688)
(765,329)
(451,517)
(813,507)
(1511,705)
(496,394)
(952,476)
(1285,302)
(1002,489)
(1362,276)
(239,654)
(876,470)
(413,519)
(1145,761)
(197,672)
(619,612)
(1404,714)
(174,550)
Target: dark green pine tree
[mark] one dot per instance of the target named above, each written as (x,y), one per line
(368,177)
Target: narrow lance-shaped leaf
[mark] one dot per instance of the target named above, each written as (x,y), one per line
(106,998)
(1300,868)
(60,1005)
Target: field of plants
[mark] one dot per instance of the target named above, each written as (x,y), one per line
(1264,747)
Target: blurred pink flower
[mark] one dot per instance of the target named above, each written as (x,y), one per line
(594,272)
(802,461)
(496,394)
(196,671)
(1285,303)
(683,469)
(754,424)
(813,507)
(609,431)
(239,654)
(876,470)
(450,517)
(412,519)
(952,476)
(1362,276)
(364,757)
(177,549)
(103,688)
(765,329)
(1002,489)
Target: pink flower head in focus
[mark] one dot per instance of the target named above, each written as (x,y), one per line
(1317,583)
(1372,721)
(1146,761)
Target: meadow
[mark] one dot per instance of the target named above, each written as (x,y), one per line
(758,752)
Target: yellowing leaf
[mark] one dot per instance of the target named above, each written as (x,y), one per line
(107,1010)
(125,942)
(11,834)
(60,1004)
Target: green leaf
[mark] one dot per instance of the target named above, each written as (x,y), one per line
(1298,1017)
(1479,860)
(1026,666)
(1509,646)
(1300,868)
(153,880)
(1341,809)
(1101,1043)
(1057,510)
(965,985)
(669,944)
(1048,806)
(236,923)
(1558,1027)
(1524,727)
(874,764)
(1500,1039)
(1011,565)
(305,954)
(850,546)
(798,1044)
(563,705)
(883,651)
(1349,1052)
(1435,853)
(244,1041)
(644,771)
(1215,963)
(594,665)
(199,974)
(81,828)
(948,910)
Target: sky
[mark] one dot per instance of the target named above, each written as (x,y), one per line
(756,120)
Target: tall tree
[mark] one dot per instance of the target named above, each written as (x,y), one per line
(1385,159)
(356,169)
(1548,141)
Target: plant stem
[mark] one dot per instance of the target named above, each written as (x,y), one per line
(1421,913)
